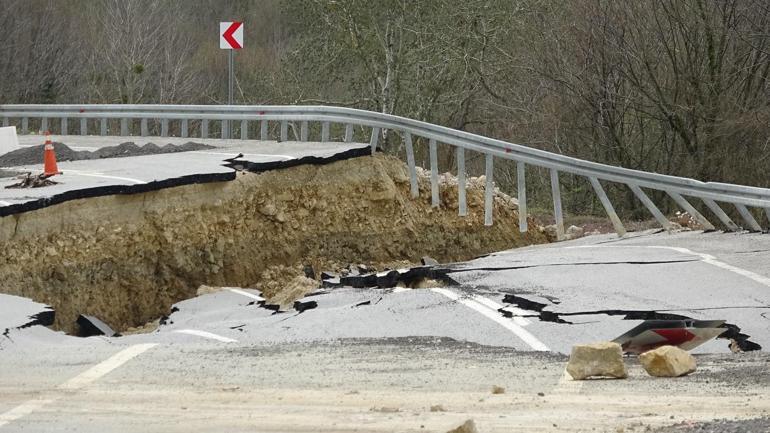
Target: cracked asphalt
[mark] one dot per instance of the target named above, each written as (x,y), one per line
(223,363)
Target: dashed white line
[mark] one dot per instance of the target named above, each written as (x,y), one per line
(247,294)
(568,385)
(78,382)
(205,334)
(517,330)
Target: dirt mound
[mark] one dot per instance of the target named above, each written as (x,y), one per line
(34,154)
(127,258)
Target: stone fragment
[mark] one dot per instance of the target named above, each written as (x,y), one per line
(498,390)
(437,408)
(429,261)
(467,427)
(574,232)
(597,359)
(667,361)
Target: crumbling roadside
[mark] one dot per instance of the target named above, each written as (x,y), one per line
(127,259)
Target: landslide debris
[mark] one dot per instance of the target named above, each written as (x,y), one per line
(34,154)
(127,258)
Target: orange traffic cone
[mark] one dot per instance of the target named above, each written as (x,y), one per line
(49,157)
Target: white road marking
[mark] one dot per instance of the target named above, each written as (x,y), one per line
(23,410)
(706,258)
(4,203)
(568,385)
(89,174)
(520,332)
(495,306)
(205,334)
(78,382)
(245,154)
(247,294)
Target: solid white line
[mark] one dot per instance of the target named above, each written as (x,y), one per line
(520,332)
(707,258)
(205,334)
(495,306)
(78,382)
(82,173)
(247,294)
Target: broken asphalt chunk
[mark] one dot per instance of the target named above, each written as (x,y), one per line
(301,306)
(90,326)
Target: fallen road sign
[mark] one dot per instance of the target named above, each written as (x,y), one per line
(685,334)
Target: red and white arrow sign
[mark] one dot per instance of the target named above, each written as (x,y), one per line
(231,35)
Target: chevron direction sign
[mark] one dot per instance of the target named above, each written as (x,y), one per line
(231,35)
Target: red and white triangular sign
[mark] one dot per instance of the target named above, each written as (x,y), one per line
(231,35)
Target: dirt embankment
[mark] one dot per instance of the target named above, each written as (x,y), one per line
(127,258)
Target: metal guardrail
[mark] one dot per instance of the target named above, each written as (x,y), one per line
(742,197)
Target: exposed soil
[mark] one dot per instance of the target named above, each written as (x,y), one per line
(125,259)
(34,154)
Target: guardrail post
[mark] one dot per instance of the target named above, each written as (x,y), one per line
(44,124)
(225,129)
(557,210)
(616,223)
(373,139)
(63,126)
(204,128)
(435,200)
(324,132)
(284,130)
(767,211)
(721,215)
(244,129)
(6,122)
(103,127)
(461,199)
(263,130)
(24,125)
(124,127)
(184,128)
(303,131)
(83,126)
(143,128)
(651,207)
(522,187)
(752,223)
(413,186)
(164,127)
(489,190)
(684,204)
(348,133)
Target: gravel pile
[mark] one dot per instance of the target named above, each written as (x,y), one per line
(34,154)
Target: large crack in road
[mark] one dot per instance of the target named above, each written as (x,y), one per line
(738,339)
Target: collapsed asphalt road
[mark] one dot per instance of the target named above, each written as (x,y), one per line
(376,359)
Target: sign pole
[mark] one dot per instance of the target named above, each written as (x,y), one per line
(230,79)
(230,38)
